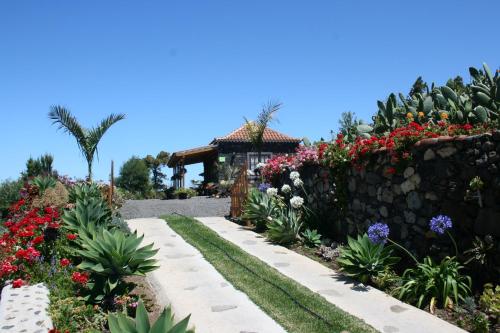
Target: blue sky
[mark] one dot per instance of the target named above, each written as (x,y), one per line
(186,71)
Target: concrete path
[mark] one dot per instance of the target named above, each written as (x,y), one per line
(187,281)
(376,308)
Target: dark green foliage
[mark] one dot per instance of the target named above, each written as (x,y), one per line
(256,128)
(134,176)
(311,238)
(155,164)
(348,125)
(41,166)
(363,260)
(258,208)
(9,193)
(435,284)
(110,256)
(119,323)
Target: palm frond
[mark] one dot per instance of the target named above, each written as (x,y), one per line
(96,133)
(257,128)
(69,124)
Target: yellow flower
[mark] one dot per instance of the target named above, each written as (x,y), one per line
(421,114)
(409,115)
(444,115)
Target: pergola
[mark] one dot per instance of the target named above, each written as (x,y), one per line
(182,158)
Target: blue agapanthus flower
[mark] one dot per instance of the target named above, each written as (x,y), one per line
(440,223)
(378,233)
(263,187)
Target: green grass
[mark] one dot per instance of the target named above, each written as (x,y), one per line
(269,298)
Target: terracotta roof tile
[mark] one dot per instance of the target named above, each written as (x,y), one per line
(241,135)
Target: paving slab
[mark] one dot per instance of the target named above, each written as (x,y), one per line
(376,308)
(24,309)
(193,286)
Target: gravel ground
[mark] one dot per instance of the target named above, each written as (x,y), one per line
(195,207)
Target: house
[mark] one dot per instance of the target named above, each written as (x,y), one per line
(232,150)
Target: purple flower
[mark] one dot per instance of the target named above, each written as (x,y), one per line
(378,233)
(440,223)
(263,187)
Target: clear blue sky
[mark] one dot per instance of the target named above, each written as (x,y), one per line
(186,71)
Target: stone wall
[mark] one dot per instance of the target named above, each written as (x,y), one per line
(435,181)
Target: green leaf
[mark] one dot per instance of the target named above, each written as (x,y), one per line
(141,319)
(449,93)
(481,113)
(364,128)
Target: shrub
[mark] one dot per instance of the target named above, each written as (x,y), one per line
(311,238)
(184,192)
(258,208)
(164,324)
(134,176)
(110,256)
(71,314)
(490,299)
(56,196)
(434,284)
(285,228)
(9,193)
(363,260)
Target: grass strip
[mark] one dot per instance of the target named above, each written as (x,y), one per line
(271,300)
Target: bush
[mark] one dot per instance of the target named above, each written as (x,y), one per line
(183,193)
(363,260)
(85,191)
(434,284)
(9,193)
(56,196)
(87,216)
(43,183)
(134,176)
(490,300)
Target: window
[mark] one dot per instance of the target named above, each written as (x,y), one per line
(253,159)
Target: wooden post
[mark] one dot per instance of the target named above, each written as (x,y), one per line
(111,186)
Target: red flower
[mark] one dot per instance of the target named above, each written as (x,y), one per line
(71,236)
(80,278)
(17,283)
(6,268)
(65,262)
(390,170)
(37,240)
(28,254)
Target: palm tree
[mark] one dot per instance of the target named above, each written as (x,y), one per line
(256,128)
(87,139)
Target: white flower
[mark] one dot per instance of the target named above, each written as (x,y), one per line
(294,175)
(296,202)
(298,182)
(260,165)
(272,191)
(286,189)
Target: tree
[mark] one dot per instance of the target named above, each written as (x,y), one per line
(87,139)
(41,166)
(256,128)
(155,164)
(419,87)
(134,176)
(348,124)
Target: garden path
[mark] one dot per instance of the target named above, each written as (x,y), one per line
(187,281)
(376,308)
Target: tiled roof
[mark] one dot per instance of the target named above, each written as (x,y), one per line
(241,135)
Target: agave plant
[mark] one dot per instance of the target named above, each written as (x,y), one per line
(387,115)
(87,139)
(311,238)
(110,256)
(258,208)
(84,191)
(285,228)
(43,183)
(119,323)
(362,259)
(87,217)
